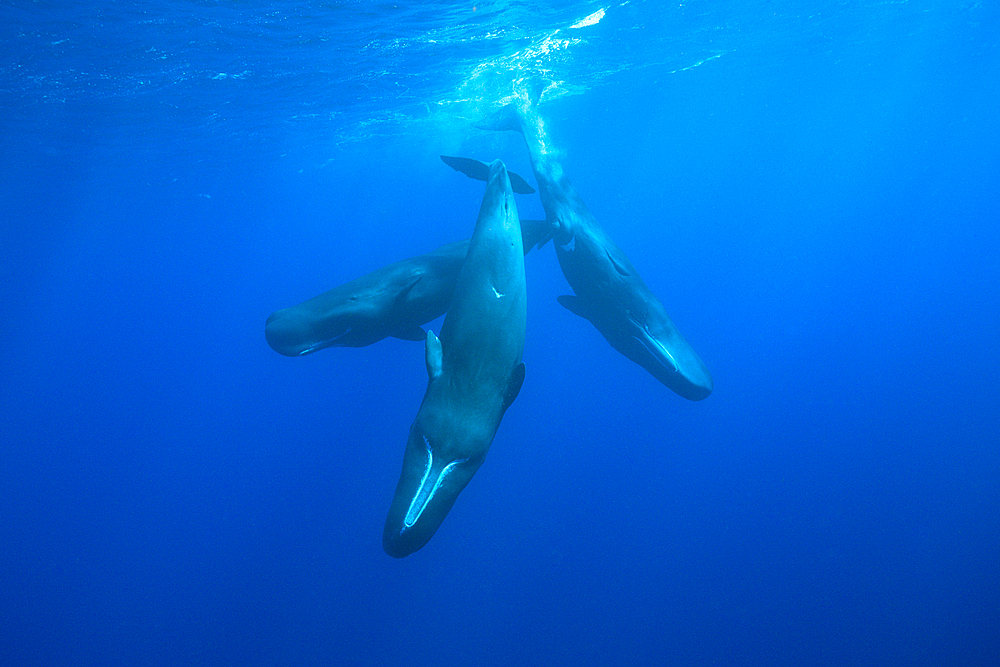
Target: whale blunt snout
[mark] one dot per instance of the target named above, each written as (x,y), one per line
(294,335)
(695,389)
(676,365)
(283,335)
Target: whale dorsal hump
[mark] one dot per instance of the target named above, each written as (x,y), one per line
(433,355)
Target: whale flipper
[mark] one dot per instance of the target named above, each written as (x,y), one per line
(575,305)
(433,356)
(535,232)
(514,383)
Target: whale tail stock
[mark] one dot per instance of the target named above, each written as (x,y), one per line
(533,232)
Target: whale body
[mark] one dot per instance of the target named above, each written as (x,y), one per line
(474,374)
(608,290)
(396,300)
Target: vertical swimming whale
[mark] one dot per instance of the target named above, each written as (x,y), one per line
(608,289)
(474,374)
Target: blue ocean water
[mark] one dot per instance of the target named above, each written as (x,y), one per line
(811,188)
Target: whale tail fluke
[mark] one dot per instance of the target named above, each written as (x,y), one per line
(533,232)
(481,172)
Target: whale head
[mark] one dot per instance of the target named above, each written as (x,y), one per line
(656,345)
(294,332)
(644,333)
(434,472)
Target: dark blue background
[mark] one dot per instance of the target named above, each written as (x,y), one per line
(818,213)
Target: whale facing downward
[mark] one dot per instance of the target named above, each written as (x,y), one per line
(608,290)
(474,374)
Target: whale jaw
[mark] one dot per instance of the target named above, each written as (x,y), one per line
(291,334)
(433,477)
(672,361)
(427,489)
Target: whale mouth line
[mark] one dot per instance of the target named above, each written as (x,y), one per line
(653,346)
(329,342)
(426,489)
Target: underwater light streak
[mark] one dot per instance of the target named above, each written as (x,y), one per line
(593,19)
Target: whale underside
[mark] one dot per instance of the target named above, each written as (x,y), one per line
(474,373)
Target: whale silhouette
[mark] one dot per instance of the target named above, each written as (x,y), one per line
(474,374)
(608,290)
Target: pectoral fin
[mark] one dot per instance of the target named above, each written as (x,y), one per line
(433,355)
(519,185)
(575,305)
(514,383)
(409,333)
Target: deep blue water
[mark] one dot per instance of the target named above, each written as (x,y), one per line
(811,188)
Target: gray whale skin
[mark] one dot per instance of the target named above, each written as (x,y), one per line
(474,373)
(608,290)
(395,300)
